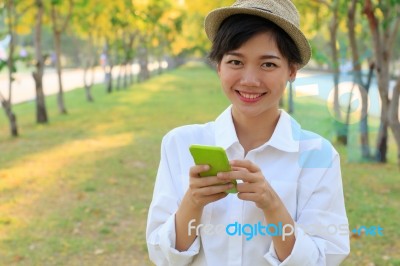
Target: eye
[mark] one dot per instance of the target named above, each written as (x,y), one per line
(269,65)
(234,62)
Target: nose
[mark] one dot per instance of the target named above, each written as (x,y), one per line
(250,78)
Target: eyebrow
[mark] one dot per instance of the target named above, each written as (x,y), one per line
(267,56)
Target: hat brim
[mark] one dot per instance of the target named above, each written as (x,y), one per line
(215,18)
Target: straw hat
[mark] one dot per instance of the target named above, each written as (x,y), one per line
(281,12)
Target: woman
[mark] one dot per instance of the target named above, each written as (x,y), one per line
(289,207)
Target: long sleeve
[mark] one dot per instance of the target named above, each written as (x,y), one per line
(160,233)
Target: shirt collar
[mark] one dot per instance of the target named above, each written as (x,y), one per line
(285,137)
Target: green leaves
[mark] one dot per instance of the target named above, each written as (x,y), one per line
(56,2)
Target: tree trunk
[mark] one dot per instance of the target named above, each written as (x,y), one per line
(341,129)
(131,74)
(41,112)
(143,61)
(119,78)
(393,117)
(381,144)
(108,67)
(12,119)
(128,59)
(7,104)
(109,79)
(364,129)
(126,75)
(87,85)
(11,45)
(383,44)
(383,83)
(160,70)
(57,30)
(364,133)
(90,57)
(57,48)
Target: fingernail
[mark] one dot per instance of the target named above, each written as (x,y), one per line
(206,167)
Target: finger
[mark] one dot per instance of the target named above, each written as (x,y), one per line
(197,169)
(196,182)
(212,190)
(248,196)
(247,187)
(249,165)
(239,169)
(245,176)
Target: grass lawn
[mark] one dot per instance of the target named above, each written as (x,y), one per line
(77,191)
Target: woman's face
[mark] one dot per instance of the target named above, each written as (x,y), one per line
(255,75)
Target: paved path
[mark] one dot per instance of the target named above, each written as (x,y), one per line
(24,85)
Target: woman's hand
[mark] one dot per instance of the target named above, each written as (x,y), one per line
(254,187)
(201,191)
(204,190)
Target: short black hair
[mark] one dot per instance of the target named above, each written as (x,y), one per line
(237,29)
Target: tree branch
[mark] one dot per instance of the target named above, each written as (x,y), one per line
(67,18)
(54,17)
(393,35)
(373,24)
(369,12)
(26,9)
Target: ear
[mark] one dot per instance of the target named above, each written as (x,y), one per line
(293,71)
(219,69)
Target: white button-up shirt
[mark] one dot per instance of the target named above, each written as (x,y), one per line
(301,166)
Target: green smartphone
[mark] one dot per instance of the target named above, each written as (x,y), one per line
(213,156)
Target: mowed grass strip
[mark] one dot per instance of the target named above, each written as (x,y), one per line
(77,191)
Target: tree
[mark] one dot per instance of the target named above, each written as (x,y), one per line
(123,20)
(58,28)
(14,10)
(168,30)
(193,37)
(394,117)
(41,112)
(85,24)
(335,8)
(11,20)
(384,23)
(363,86)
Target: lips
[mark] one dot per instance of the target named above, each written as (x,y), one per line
(249,97)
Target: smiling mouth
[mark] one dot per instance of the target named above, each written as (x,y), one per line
(250,96)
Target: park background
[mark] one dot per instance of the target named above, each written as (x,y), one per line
(88,88)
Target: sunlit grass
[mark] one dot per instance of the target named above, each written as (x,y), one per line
(77,191)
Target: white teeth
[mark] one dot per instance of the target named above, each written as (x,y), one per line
(250,96)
